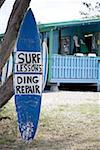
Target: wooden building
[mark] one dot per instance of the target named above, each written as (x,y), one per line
(74,51)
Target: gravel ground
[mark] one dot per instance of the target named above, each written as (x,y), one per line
(68,121)
(72,98)
(73,120)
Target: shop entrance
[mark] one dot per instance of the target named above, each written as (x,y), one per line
(88,42)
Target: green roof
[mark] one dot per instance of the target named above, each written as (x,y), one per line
(49,26)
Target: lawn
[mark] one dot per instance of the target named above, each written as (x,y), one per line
(68,121)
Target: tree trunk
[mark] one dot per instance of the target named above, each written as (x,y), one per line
(1,2)
(17,14)
(6,91)
(19,9)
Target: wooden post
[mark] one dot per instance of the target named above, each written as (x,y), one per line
(50,54)
(98,84)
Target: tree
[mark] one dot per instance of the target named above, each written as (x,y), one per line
(1,2)
(90,10)
(7,46)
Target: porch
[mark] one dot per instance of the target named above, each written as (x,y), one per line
(65,40)
(74,69)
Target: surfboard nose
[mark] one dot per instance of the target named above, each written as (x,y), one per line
(29,34)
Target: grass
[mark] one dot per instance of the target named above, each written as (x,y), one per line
(58,121)
(8,123)
(88,109)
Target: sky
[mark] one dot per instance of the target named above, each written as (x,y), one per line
(45,11)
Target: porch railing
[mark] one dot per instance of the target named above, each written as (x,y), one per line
(74,69)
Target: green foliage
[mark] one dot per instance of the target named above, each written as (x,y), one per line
(90,10)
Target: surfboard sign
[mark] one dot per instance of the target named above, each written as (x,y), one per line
(45,62)
(28,77)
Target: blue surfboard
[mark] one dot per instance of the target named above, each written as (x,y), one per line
(28,77)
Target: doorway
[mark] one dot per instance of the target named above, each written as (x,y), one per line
(88,42)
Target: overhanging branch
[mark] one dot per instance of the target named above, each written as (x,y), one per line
(1,2)
(19,9)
